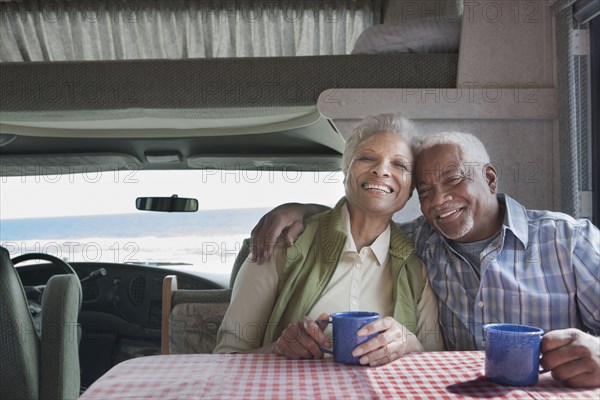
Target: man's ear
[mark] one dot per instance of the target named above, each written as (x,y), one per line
(491,176)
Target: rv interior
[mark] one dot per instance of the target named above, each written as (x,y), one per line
(108,92)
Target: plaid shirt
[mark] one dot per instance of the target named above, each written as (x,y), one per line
(542,270)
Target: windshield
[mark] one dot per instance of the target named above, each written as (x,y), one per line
(92,216)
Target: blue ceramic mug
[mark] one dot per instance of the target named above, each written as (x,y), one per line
(345,325)
(512,354)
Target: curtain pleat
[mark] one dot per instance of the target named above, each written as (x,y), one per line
(160,29)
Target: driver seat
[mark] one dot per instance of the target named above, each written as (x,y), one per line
(38,367)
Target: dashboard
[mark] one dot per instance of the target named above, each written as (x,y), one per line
(132,292)
(121,312)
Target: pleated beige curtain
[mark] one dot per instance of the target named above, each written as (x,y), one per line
(61,30)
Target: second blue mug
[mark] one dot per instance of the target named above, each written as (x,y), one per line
(512,354)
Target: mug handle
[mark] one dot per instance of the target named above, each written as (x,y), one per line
(322,324)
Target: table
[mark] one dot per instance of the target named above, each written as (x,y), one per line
(433,375)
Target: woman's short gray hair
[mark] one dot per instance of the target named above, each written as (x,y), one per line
(369,126)
(473,151)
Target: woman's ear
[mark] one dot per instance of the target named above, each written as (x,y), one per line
(491,176)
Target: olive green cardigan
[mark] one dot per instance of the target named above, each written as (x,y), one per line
(312,260)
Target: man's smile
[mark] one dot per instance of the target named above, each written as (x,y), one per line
(448,214)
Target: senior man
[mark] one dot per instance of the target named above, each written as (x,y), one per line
(491,260)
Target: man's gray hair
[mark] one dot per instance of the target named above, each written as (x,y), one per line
(391,123)
(473,151)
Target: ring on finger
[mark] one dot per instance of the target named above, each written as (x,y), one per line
(387,351)
(305,321)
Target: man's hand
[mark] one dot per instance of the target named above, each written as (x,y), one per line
(287,218)
(394,340)
(301,339)
(573,357)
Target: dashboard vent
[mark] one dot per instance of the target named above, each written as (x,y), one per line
(137,287)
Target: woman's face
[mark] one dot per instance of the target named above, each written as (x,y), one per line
(379,178)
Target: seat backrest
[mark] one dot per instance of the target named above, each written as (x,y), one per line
(19,342)
(239,260)
(38,368)
(191,318)
(59,347)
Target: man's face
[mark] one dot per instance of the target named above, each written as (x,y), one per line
(457,197)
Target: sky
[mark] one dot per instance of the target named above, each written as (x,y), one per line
(114,192)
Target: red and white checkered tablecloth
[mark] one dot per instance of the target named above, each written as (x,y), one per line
(434,375)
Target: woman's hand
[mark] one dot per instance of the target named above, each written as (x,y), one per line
(394,340)
(301,339)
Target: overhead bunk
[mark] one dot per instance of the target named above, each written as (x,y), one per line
(205,70)
(212,83)
(197,55)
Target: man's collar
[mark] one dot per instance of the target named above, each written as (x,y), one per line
(380,246)
(515,217)
(515,220)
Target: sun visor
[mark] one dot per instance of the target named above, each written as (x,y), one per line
(301,146)
(141,123)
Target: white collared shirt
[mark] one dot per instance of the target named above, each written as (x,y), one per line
(360,278)
(369,285)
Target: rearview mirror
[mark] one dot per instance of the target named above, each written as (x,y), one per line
(166,204)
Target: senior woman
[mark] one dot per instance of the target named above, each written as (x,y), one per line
(348,258)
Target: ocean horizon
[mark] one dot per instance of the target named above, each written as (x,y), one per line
(142,224)
(205,241)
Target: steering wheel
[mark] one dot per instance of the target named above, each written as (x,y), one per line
(54,260)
